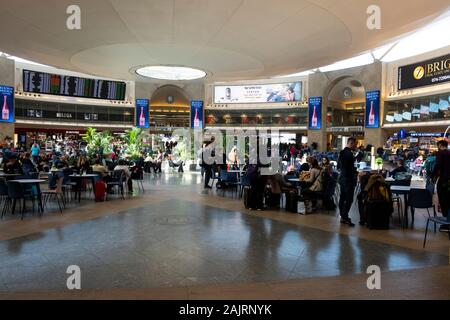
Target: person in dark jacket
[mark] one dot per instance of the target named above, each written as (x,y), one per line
(399,169)
(442,171)
(347,180)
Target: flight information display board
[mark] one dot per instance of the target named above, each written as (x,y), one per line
(56,84)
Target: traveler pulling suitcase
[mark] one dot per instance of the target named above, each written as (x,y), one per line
(100,191)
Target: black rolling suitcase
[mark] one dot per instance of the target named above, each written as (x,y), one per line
(378,213)
(291,201)
(272,200)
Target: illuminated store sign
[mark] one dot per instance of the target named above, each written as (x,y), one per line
(430,72)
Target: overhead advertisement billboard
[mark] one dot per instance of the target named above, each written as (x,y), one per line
(259,93)
(430,72)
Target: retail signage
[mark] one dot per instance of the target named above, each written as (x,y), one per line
(259,93)
(197,115)
(142,113)
(429,72)
(65,115)
(402,134)
(426,134)
(315,113)
(372,119)
(55,84)
(7,104)
(91,116)
(34,113)
(346,129)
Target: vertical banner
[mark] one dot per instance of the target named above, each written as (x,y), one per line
(315,113)
(197,115)
(142,113)
(7,104)
(372,118)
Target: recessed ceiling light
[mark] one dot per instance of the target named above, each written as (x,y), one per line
(171,73)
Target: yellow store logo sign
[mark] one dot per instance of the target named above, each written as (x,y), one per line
(419,72)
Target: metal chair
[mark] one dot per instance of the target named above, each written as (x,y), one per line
(57,193)
(118,181)
(138,175)
(437,220)
(15,192)
(421,199)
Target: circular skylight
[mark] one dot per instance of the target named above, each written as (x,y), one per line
(171,73)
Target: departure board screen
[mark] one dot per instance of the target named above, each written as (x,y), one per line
(46,83)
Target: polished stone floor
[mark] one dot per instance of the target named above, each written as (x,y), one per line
(177,235)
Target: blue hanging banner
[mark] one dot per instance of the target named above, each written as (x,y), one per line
(315,113)
(142,113)
(7,104)
(197,115)
(372,118)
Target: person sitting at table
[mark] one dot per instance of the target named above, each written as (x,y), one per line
(399,169)
(12,166)
(55,175)
(122,166)
(28,166)
(308,178)
(149,163)
(83,164)
(100,168)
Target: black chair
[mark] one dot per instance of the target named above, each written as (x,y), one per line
(138,175)
(244,183)
(3,191)
(15,193)
(421,199)
(327,194)
(118,180)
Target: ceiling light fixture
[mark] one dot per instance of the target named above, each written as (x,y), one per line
(174,73)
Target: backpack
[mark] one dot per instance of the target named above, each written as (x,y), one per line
(429,165)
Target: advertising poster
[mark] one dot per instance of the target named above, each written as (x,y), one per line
(430,72)
(315,113)
(259,93)
(7,103)
(372,118)
(142,113)
(197,115)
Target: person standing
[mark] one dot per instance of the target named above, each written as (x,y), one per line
(442,172)
(347,180)
(35,152)
(208,151)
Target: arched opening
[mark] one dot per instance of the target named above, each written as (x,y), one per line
(345,111)
(169,109)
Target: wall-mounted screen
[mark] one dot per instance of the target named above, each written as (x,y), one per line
(55,84)
(372,118)
(197,115)
(7,104)
(315,113)
(259,93)
(142,113)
